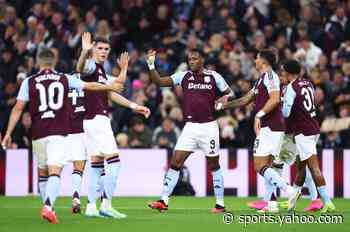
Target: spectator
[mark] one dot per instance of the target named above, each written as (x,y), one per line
(165,136)
(338,26)
(21,136)
(8,65)
(122,140)
(316,32)
(103,30)
(308,53)
(140,136)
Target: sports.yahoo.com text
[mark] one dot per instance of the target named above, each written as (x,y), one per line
(247,219)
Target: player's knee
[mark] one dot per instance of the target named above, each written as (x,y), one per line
(215,168)
(43,172)
(96,159)
(79,165)
(176,164)
(55,170)
(257,167)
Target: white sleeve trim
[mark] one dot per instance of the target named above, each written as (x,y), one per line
(23,93)
(74,82)
(288,101)
(90,66)
(220,82)
(178,77)
(271,81)
(110,79)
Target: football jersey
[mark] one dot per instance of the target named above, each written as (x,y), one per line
(95,103)
(77,109)
(47,95)
(299,107)
(200,90)
(267,83)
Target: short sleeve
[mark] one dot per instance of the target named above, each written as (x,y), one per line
(90,66)
(178,77)
(272,81)
(288,101)
(23,93)
(220,82)
(74,82)
(110,79)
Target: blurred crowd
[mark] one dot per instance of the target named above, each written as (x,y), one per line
(316,32)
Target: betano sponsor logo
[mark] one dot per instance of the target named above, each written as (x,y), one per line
(199,86)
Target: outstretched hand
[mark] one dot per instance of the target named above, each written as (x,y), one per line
(86,41)
(123,60)
(221,103)
(145,111)
(151,57)
(7,141)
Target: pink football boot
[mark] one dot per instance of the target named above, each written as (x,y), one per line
(314,206)
(258,205)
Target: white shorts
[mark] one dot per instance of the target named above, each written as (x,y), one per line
(202,136)
(306,145)
(288,151)
(99,137)
(268,142)
(50,150)
(76,147)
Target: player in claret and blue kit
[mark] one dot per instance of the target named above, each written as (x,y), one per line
(299,108)
(46,92)
(201,131)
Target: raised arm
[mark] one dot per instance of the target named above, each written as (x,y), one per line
(87,44)
(118,82)
(123,62)
(14,117)
(165,81)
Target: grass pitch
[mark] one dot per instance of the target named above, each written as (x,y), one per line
(185,214)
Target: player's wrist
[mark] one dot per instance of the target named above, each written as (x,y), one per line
(85,51)
(260,114)
(119,82)
(133,105)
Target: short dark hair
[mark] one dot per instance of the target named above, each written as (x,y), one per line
(100,39)
(46,57)
(199,51)
(136,120)
(269,56)
(46,54)
(292,66)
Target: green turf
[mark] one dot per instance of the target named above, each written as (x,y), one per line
(185,214)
